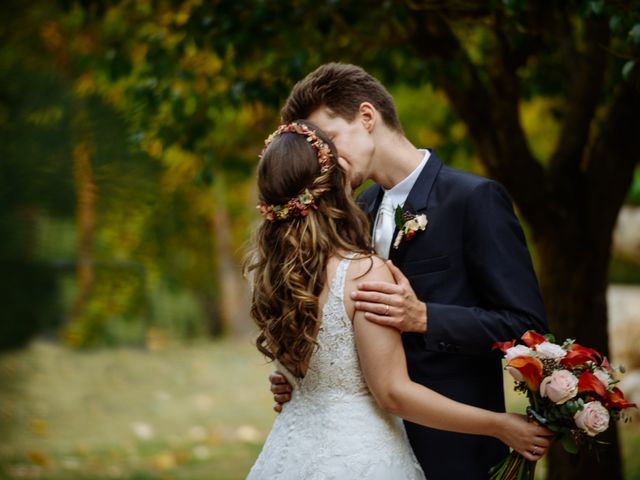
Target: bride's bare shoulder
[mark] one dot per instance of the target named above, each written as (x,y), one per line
(369,269)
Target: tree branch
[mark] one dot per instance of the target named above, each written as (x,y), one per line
(583,97)
(491,115)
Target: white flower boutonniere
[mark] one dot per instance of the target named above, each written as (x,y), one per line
(408,224)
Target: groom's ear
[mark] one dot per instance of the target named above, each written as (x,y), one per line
(368,115)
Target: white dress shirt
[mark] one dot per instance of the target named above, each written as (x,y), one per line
(395,196)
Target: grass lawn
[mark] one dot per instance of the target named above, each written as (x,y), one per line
(185,412)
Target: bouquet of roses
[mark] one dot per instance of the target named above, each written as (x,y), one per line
(571,391)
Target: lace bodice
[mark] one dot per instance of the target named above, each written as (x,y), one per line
(332,428)
(334,369)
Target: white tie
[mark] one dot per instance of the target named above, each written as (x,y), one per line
(385,225)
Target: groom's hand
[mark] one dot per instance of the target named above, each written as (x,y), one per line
(392,304)
(281,390)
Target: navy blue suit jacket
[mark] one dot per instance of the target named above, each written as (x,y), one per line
(472,268)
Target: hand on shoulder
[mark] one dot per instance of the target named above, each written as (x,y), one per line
(387,298)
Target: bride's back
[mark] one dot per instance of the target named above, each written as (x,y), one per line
(332,427)
(334,369)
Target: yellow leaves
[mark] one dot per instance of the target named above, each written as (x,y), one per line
(138,53)
(115,96)
(85,84)
(202,62)
(540,125)
(458,131)
(182,167)
(179,87)
(181,18)
(153,147)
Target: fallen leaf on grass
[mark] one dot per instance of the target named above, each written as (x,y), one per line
(38,457)
(165,460)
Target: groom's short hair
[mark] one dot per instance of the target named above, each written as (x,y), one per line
(342,88)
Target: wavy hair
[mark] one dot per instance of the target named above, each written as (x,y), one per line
(287,259)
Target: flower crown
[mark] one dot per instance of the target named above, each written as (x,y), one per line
(300,205)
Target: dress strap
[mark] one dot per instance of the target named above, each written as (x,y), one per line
(337,285)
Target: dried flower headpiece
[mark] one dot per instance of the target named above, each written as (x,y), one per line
(298,206)
(322,150)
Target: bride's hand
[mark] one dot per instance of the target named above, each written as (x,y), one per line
(281,390)
(529,439)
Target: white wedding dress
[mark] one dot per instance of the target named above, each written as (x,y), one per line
(332,427)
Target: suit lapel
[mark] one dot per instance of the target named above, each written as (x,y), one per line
(416,203)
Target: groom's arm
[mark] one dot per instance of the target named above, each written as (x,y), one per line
(500,270)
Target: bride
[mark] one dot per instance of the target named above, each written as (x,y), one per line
(349,375)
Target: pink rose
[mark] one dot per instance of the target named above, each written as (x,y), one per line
(560,386)
(593,418)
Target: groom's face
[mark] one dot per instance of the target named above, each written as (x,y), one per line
(352,140)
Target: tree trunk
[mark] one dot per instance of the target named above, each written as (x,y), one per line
(573,280)
(570,204)
(233,293)
(85,226)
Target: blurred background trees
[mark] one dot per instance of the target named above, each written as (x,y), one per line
(129,131)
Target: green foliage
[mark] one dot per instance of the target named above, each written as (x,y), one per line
(174,99)
(634,191)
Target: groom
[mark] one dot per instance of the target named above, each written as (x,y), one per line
(463,283)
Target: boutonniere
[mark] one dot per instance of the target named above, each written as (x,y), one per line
(408,224)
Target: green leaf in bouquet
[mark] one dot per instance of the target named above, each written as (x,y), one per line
(573,407)
(569,443)
(554,428)
(550,337)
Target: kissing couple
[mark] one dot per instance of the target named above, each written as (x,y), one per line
(384,308)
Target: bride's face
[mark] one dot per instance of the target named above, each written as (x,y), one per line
(352,140)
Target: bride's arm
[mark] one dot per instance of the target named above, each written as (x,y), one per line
(383,362)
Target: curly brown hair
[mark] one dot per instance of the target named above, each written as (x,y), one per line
(287,260)
(343,88)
